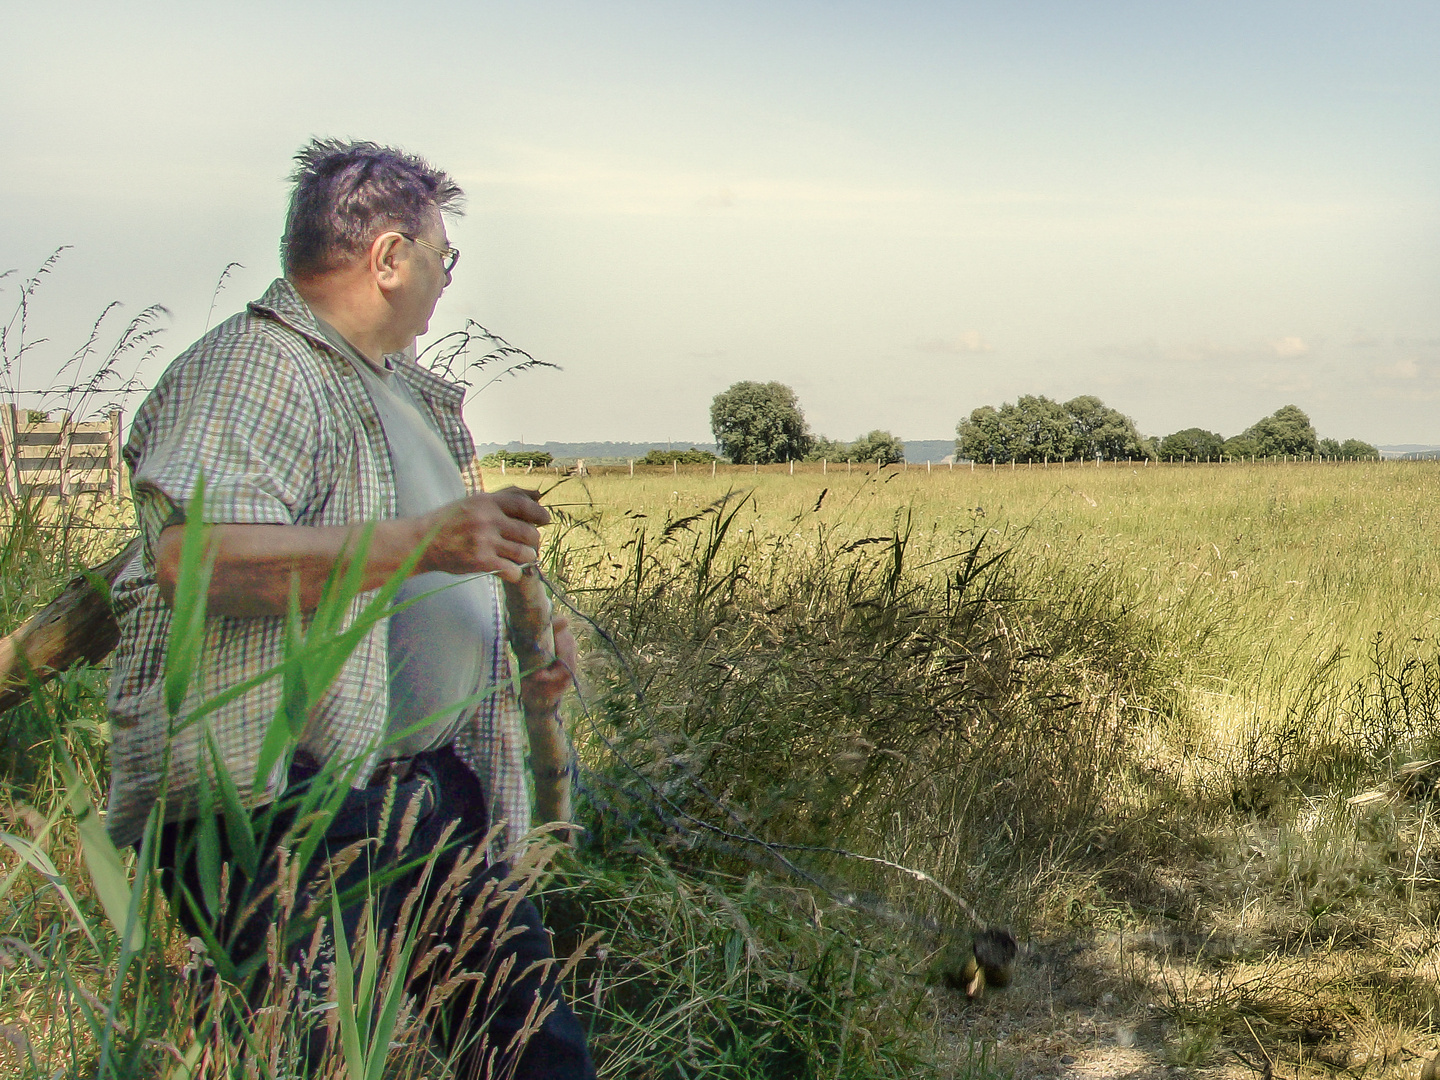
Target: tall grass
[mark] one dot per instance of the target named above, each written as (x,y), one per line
(830,724)
(1050,691)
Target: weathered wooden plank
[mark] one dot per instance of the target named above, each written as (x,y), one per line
(77,626)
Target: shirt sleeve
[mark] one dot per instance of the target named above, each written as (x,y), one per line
(240,413)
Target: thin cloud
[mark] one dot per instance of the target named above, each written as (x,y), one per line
(719,200)
(1286,381)
(1150,351)
(1407,368)
(1288,348)
(968,342)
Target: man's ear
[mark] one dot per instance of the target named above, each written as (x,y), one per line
(386,259)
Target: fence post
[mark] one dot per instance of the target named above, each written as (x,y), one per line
(112,452)
(712,468)
(9,467)
(632,466)
(67,425)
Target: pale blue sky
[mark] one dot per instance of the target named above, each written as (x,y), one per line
(1199,212)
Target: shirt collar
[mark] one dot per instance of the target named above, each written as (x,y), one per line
(283,303)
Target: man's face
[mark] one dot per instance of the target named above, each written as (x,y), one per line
(426,278)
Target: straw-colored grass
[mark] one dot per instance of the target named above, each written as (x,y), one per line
(1121,709)
(1249,647)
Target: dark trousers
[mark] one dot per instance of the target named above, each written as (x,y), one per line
(445,792)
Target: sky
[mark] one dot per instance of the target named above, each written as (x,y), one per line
(1199,212)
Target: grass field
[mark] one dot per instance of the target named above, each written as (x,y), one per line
(1254,646)
(1120,710)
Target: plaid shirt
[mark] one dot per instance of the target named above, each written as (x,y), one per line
(285,433)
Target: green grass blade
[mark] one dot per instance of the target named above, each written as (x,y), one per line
(107,871)
(187,617)
(33,855)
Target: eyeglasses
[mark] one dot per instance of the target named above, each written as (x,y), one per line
(451,255)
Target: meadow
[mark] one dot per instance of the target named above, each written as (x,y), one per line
(833,722)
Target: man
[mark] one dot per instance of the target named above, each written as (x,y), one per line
(310,428)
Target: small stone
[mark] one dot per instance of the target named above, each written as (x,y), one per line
(1067,1059)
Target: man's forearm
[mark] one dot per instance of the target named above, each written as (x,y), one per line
(255,565)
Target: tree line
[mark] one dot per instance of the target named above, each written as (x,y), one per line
(763,423)
(1035,428)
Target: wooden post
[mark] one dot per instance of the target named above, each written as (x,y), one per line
(112,455)
(9,470)
(77,625)
(67,431)
(551,757)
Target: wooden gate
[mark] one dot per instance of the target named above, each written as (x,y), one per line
(64,458)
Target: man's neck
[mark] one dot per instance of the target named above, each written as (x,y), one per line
(339,305)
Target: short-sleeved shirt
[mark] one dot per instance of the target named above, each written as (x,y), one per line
(284,433)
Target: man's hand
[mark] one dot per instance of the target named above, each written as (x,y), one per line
(485,533)
(541,691)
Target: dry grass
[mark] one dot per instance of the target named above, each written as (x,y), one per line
(1133,737)
(1263,641)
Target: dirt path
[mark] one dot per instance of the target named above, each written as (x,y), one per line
(1105,1009)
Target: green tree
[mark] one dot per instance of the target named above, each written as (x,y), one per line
(517,457)
(1354,448)
(1285,431)
(1031,429)
(1035,428)
(1040,428)
(1241,446)
(979,437)
(759,423)
(1330,448)
(684,457)
(878,446)
(1101,431)
(1193,443)
(824,449)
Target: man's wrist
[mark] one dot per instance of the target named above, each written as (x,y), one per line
(405,535)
